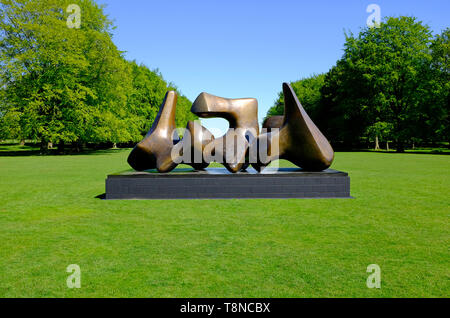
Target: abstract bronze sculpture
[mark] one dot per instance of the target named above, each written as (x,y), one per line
(273,122)
(293,137)
(190,150)
(298,138)
(242,114)
(159,150)
(154,151)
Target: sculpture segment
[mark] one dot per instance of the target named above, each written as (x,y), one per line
(154,151)
(159,149)
(195,139)
(273,122)
(292,136)
(298,139)
(242,115)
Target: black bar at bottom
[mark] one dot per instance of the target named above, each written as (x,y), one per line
(218,307)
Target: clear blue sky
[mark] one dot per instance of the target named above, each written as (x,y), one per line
(247,48)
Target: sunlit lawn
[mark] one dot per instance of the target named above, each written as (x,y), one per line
(50,218)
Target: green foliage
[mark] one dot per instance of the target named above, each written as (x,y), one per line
(392,82)
(438,86)
(147,94)
(61,84)
(58,79)
(378,80)
(309,91)
(380,129)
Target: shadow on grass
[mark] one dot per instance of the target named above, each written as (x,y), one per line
(101,196)
(417,152)
(37,152)
(7,150)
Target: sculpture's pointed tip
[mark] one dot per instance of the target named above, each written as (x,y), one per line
(170,97)
(288,91)
(200,105)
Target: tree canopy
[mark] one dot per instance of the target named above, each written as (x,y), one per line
(62,84)
(391,83)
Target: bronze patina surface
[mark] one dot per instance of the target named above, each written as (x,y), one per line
(154,151)
(195,139)
(242,115)
(297,140)
(160,149)
(292,136)
(273,122)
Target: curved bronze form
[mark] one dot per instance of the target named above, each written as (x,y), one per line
(273,122)
(154,151)
(242,114)
(196,138)
(298,139)
(162,150)
(293,137)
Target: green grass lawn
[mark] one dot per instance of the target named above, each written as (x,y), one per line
(50,218)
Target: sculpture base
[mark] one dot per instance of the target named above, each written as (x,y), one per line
(218,183)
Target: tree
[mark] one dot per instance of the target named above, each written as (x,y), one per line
(61,84)
(148,89)
(66,85)
(380,131)
(147,94)
(308,92)
(379,78)
(438,88)
(344,113)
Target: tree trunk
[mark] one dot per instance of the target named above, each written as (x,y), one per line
(49,145)
(61,147)
(22,142)
(114,146)
(377,145)
(400,146)
(387,145)
(43,147)
(76,147)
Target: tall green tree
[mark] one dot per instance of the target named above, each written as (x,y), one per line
(62,84)
(147,94)
(379,78)
(437,88)
(345,112)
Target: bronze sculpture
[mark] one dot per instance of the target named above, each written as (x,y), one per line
(298,138)
(293,137)
(273,122)
(242,114)
(154,151)
(158,148)
(190,150)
